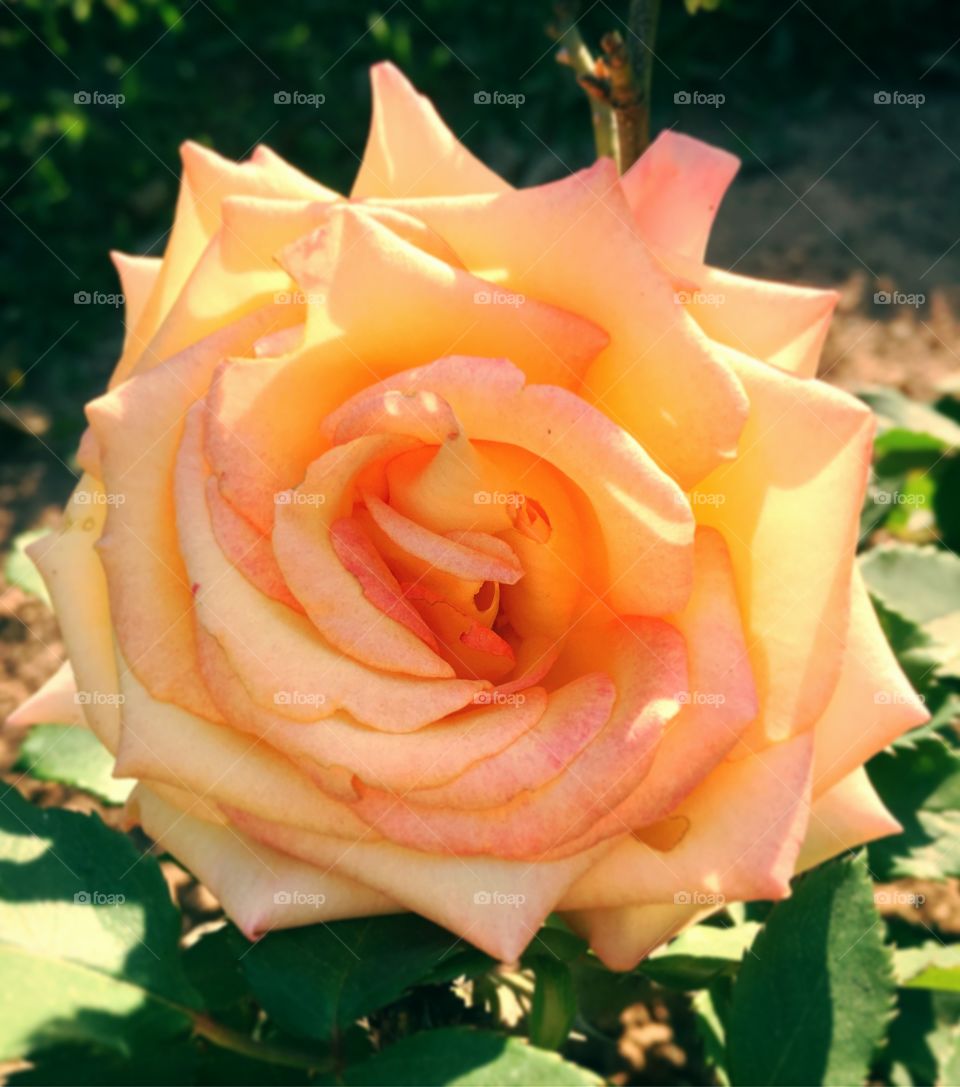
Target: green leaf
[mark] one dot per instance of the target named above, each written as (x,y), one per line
(88,937)
(19,569)
(316,979)
(72,756)
(919,583)
(710,1027)
(701,954)
(457,1056)
(924,1041)
(554,1004)
(811,1002)
(921,787)
(908,423)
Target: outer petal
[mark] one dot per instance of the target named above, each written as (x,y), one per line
(71,569)
(496,905)
(623,935)
(788,509)
(410,151)
(739,835)
(260,888)
(674,190)
(138,276)
(872,704)
(846,815)
(56,701)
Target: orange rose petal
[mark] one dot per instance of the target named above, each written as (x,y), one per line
(674,190)
(872,704)
(646,658)
(278,653)
(778,323)
(658,378)
(249,550)
(788,510)
(410,151)
(848,814)
(720,704)
(496,905)
(138,426)
(747,822)
(55,701)
(622,936)
(334,571)
(260,888)
(138,276)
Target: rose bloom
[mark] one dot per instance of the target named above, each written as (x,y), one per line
(474,551)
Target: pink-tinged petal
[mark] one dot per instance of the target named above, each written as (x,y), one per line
(737,837)
(720,704)
(646,661)
(360,558)
(498,563)
(659,377)
(337,575)
(622,936)
(56,701)
(423,415)
(778,323)
(247,549)
(138,426)
(674,190)
(574,716)
(644,519)
(788,511)
(848,814)
(162,742)
(73,574)
(277,652)
(495,905)
(410,151)
(260,888)
(872,704)
(392,761)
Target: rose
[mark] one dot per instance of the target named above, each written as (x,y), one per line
(316,626)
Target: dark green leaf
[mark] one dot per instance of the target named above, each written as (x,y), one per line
(554,1003)
(698,956)
(456,1056)
(316,979)
(72,756)
(812,1001)
(921,786)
